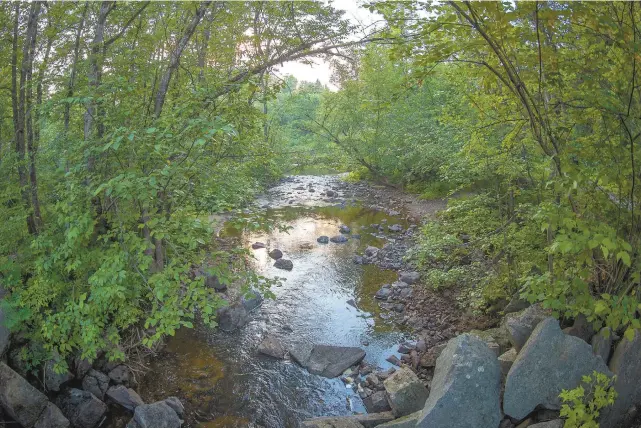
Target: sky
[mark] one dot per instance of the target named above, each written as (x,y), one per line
(320,69)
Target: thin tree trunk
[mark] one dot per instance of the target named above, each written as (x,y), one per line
(74,68)
(163,87)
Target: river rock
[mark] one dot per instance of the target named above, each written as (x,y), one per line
(520,325)
(383,293)
(377,402)
(331,361)
(81,367)
(82,408)
(96,382)
(330,193)
(251,300)
(549,362)
(625,363)
(54,380)
(126,397)
(322,239)
(409,421)
(428,359)
(258,245)
(602,344)
(272,347)
(52,417)
(344,229)
(371,251)
(122,375)
(465,388)
(405,392)
(506,360)
(276,254)
(395,228)
(176,405)
(338,239)
(155,415)
(20,400)
(231,318)
(284,264)
(410,277)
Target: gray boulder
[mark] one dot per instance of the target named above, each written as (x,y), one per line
(251,300)
(549,362)
(126,397)
(410,277)
(395,228)
(54,380)
(20,400)
(602,344)
(276,254)
(331,361)
(155,415)
(383,293)
(96,382)
(231,318)
(429,358)
(371,251)
(122,375)
(520,325)
(465,388)
(625,363)
(176,405)
(344,229)
(284,264)
(322,239)
(300,352)
(405,392)
(52,417)
(272,347)
(409,421)
(258,245)
(338,239)
(82,408)
(377,402)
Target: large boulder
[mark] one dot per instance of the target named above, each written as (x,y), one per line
(549,362)
(405,392)
(126,397)
(82,408)
(465,388)
(52,417)
(122,375)
(506,360)
(428,359)
(516,304)
(625,363)
(520,325)
(331,361)
(581,328)
(231,318)
(96,382)
(410,277)
(155,415)
(20,400)
(338,239)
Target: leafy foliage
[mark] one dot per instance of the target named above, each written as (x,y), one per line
(582,405)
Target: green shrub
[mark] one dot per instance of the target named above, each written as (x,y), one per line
(582,405)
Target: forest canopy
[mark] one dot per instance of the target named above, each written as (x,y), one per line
(123,126)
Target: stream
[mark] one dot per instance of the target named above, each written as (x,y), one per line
(223,380)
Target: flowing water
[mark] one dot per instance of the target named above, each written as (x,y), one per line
(222,379)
